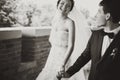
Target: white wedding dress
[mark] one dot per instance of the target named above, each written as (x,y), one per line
(59,42)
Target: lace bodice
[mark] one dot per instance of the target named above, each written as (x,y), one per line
(59,38)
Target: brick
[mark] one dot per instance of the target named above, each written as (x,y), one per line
(10,57)
(2,46)
(27,65)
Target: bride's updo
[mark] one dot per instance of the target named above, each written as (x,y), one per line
(72,2)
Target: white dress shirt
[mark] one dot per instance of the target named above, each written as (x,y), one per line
(107,40)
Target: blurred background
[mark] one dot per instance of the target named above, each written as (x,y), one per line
(23,13)
(25,27)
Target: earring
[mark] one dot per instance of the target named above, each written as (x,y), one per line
(119,22)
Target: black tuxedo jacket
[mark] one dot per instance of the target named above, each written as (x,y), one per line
(102,68)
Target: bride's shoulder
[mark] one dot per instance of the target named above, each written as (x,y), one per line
(70,22)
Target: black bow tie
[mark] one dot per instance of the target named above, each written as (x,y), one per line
(110,35)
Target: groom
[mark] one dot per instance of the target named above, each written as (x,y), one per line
(103,48)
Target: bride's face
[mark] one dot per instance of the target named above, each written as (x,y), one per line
(65,6)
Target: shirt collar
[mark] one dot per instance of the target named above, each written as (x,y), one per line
(115,31)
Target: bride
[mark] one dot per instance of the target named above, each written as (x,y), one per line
(66,39)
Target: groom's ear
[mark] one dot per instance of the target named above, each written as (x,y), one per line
(107,16)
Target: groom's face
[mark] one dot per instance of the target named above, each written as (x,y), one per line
(100,17)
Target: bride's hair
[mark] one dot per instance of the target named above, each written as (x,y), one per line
(72,1)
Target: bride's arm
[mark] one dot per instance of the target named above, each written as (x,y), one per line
(52,30)
(71,41)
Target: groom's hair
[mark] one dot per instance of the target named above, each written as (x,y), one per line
(112,7)
(72,2)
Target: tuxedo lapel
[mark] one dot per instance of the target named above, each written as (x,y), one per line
(99,45)
(113,45)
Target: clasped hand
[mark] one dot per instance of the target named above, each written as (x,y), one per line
(61,73)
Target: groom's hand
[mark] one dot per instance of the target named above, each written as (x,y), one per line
(66,75)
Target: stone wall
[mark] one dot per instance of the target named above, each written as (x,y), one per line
(35,49)
(23,52)
(10,53)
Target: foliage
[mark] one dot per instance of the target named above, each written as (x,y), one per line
(25,13)
(31,14)
(6,13)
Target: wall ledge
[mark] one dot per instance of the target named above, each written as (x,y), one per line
(18,32)
(36,31)
(7,33)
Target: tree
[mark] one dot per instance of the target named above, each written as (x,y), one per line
(6,10)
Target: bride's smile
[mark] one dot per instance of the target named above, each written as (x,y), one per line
(65,6)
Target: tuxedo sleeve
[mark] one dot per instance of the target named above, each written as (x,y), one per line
(82,60)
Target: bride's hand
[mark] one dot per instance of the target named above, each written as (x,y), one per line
(61,72)
(62,69)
